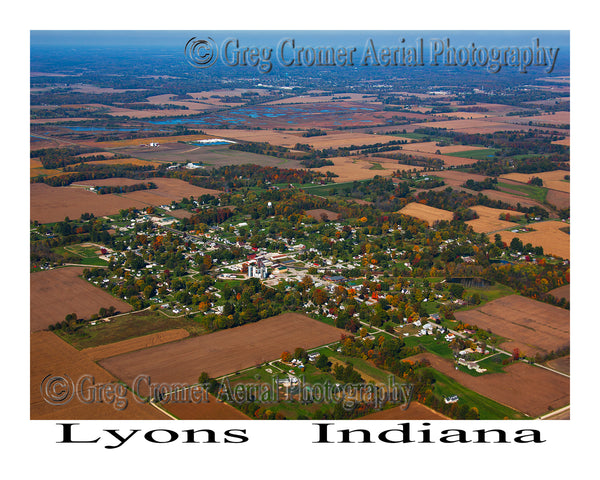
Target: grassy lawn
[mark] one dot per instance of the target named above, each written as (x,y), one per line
(438,347)
(532,191)
(420,136)
(493,363)
(481,154)
(487,294)
(363,366)
(125,327)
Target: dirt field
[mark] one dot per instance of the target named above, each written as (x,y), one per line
(51,356)
(53,204)
(483,126)
(562,292)
(124,161)
(36,168)
(526,388)
(212,409)
(562,364)
(326,98)
(454,178)
(180,213)
(431,147)
(284,139)
(133,344)
(336,140)
(318,213)
(537,326)
(56,293)
(427,213)
(546,235)
(488,220)
(559,199)
(209,155)
(147,140)
(349,169)
(415,411)
(554,179)
(290,139)
(447,159)
(565,141)
(510,198)
(223,352)
(556,118)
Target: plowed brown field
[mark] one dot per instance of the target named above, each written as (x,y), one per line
(50,358)
(547,235)
(537,326)
(53,204)
(427,213)
(223,352)
(526,388)
(489,220)
(59,292)
(415,411)
(211,409)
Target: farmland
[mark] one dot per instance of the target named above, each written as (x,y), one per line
(532,326)
(489,220)
(209,409)
(52,204)
(427,213)
(208,155)
(554,180)
(59,292)
(415,411)
(133,344)
(222,352)
(329,238)
(545,234)
(51,355)
(528,389)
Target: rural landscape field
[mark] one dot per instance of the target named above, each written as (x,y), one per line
(307,243)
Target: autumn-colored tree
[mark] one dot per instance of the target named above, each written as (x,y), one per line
(286,356)
(319,296)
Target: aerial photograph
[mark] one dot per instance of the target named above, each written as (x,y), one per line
(299,225)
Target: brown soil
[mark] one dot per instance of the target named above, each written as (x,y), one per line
(415,411)
(203,408)
(53,204)
(427,213)
(223,352)
(50,357)
(535,325)
(59,292)
(526,388)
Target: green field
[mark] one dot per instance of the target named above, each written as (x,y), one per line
(87,254)
(487,294)
(481,154)
(531,191)
(125,327)
(421,137)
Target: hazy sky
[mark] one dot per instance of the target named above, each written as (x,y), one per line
(140,38)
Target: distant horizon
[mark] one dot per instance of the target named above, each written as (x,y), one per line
(168,38)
